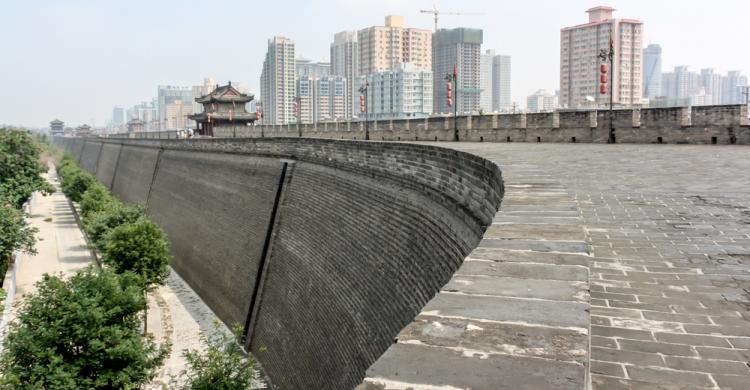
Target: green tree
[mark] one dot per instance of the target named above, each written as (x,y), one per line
(222,366)
(15,234)
(75,182)
(96,199)
(20,169)
(99,223)
(141,248)
(80,333)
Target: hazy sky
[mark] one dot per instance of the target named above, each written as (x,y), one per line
(77,59)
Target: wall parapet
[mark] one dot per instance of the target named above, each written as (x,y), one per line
(727,124)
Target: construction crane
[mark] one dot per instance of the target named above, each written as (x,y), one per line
(434,11)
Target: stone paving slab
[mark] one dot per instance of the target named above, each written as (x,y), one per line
(668,227)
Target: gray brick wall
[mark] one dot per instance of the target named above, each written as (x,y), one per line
(366,234)
(105,172)
(215,210)
(134,174)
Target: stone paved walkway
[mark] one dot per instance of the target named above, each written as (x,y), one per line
(668,228)
(61,247)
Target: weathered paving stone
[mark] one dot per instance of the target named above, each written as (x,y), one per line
(498,338)
(524,271)
(649,374)
(550,313)
(536,245)
(446,367)
(521,288)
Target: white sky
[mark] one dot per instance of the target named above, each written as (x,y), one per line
(77,59)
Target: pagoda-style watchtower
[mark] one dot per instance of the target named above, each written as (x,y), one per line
(223,109)
(57,127)
(83,130)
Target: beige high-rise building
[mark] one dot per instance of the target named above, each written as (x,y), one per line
(579,60)
(384,47)
(177,115)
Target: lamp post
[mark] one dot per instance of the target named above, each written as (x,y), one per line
(363,106)
(452,80)
(609,55)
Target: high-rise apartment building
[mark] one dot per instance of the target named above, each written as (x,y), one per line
(384,47)
(732,87)
(277,82)
(495,82)
(501,83)
(404,92)
(321,99)
(652,71)
(486,61)
(167,94)
(202,90)
(460,47)
(177,113)
(118,116)
(579,62)
(541,101)
(345,63)
(711,82)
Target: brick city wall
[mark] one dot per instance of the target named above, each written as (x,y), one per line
(696,125)
(364,235)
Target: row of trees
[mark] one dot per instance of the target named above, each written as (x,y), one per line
(20,176)
(84,332)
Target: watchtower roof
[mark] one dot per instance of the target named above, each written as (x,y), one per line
(225,94)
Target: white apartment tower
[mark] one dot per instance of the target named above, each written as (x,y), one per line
(384,47)
(495,82)
(277,81)
(579,60)
(404,92)
(345,63)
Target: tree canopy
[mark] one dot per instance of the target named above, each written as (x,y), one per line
(80,333)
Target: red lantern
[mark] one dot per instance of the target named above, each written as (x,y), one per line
(603,79)
(361,103)
(604,68)
(603,89)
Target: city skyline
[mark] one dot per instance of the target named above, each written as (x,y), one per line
(97,49)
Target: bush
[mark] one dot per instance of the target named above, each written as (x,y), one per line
(15,234)
(223,365)
(96,199)
(139,247)
(20,168)
(76,182)
(100,223)
(80,333)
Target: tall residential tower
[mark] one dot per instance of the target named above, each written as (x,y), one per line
(579,60)
(277,81)
(460,47)
(652,71)
(384,47)
(344,63)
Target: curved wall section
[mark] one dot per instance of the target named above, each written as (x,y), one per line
(353,262)
(215,209)
(325,249)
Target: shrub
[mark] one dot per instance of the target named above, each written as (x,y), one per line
(100,223)
(223,365)
(76,182)
(139,247)
(20,168)
(95,199)
(80,333)
(15,234)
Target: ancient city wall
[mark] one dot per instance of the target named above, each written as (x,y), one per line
(324,249)
(696,125)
